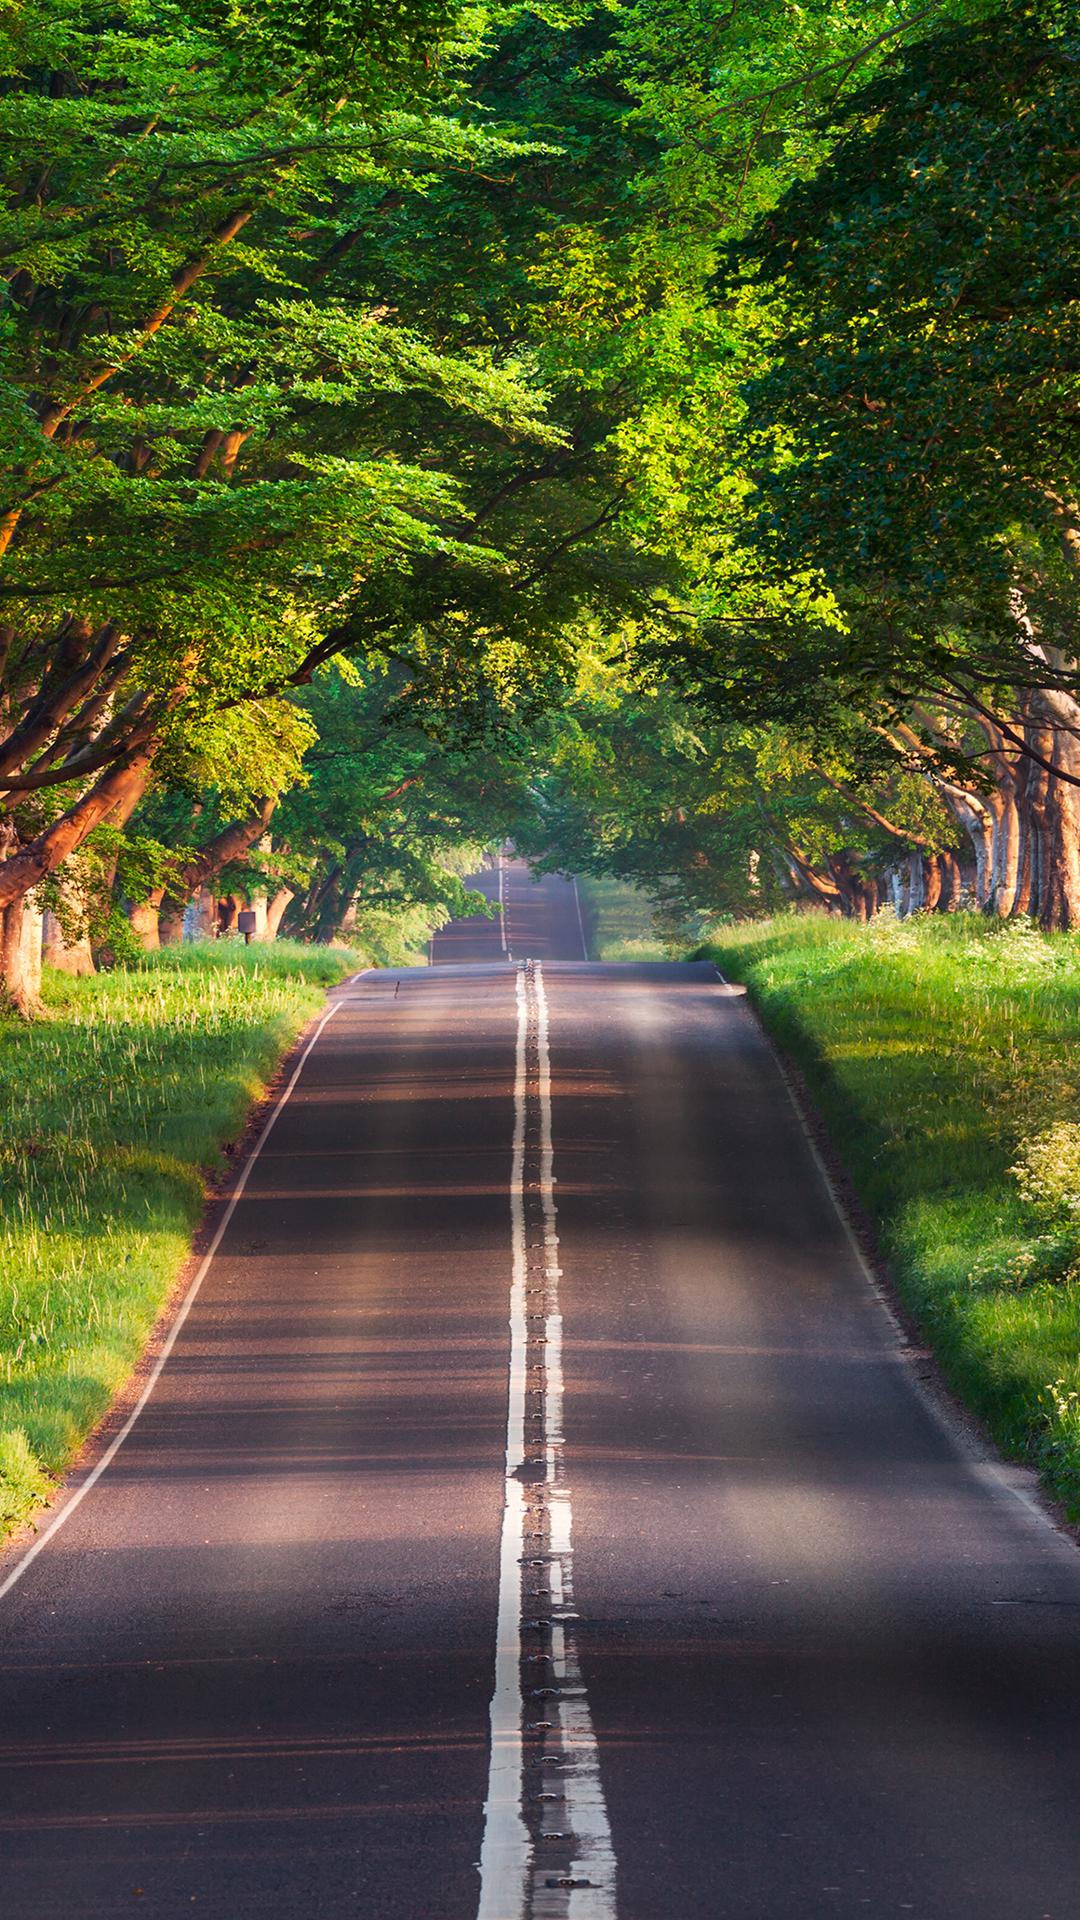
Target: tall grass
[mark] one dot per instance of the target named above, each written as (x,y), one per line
(620,922)
(942,1053)
(113,1111)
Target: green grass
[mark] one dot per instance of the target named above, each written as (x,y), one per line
(942,1054)
(113,1112)
(619,921)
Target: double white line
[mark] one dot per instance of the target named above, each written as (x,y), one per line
(547,1852)
(502,910)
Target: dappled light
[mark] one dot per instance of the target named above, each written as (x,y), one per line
(539,890)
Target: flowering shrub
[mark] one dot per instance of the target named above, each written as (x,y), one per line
(1060,1445)
(1046,1260)
(1048,1171)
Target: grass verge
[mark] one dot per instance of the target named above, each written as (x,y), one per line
(941,1053)
(114,1110)
(620,922)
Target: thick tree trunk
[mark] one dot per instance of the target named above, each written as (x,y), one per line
(1005,849)
(67,956)
(66,935)
(1033,815)
(1060,890)
(860,893)
(275,911)
(203,910)
(146,920)
(972,814)
(916,888)
(952,883)
(171,922)
(1055,810)
(20,957)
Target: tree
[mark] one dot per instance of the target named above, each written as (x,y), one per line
(910,442)
(208,443)
(269,402)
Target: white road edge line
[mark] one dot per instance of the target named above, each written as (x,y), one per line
(580,921)
(993,1474)
(506,1850)
(70,1506)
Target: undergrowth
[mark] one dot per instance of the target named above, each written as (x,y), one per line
(942,1054)
(114,1109)
(620,922)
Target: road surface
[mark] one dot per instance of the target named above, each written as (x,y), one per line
(536,1519)
(538,919)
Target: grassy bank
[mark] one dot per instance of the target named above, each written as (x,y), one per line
(113,1111)
(941,1053)
(620,922)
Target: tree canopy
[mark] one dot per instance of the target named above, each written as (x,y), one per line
(409,413)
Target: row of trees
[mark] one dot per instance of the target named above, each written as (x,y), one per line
(876,473)
(285,388)
(649,428)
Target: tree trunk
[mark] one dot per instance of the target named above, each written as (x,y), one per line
(859,892)
(952,882)
(972,814)
(67,956)
(1004,876)
(275,911)
(146,920)
(1060,878)
(171,922)
(232,843)
(1033,816)
(1061,884)
(20,957)
(204,914)
(69,951)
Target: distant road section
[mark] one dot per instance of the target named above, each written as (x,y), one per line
(538,919)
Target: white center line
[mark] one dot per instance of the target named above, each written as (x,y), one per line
(502,908)
(545,1855)
(584,1817)
(506,1851)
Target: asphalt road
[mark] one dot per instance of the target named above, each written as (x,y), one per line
(772,1646)
(539,919)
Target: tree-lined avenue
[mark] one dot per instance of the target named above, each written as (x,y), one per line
(831,1661)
